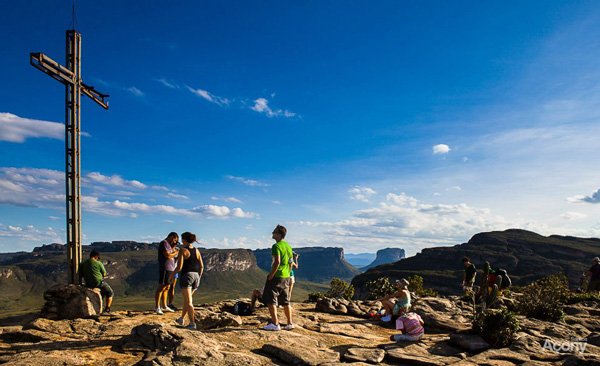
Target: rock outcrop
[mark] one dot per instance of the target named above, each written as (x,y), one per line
(144,338)
(71,302)
(387,255)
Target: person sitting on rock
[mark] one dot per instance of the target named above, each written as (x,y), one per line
(93,272)
(398,302)
(594,274)
(190,266)
(257,296)
(411,326)
(469,275)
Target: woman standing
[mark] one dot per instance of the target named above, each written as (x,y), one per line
(190,266)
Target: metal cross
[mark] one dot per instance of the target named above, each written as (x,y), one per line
(70,76)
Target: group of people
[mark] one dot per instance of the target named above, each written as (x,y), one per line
(398,305)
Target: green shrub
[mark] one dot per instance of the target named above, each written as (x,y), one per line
(315,296)
(340,289)
(416,287)
(545,298)
(497,327)
(575,297)
(379,288)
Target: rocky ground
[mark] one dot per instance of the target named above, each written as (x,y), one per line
(320,338)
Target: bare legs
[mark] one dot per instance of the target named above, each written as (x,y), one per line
(188,306)
(287,309)
(160,297)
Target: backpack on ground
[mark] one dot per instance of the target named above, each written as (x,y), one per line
(242,308)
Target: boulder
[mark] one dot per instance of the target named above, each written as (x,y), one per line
(370,355)
(206,320)
(299,355)
(71,302)
(469,342)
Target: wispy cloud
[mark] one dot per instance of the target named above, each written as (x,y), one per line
(30,234)
(135,91)
(247,181)
(115,180)
(177,196)
(206,95)
(18,129)
(592,198)
(261,105)
(440,149)
(226,199)
(359,193)
(167,83)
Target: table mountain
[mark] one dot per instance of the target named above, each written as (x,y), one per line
(316,264)
(387,255)
(526,256)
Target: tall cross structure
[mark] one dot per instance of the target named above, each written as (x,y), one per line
(70,76)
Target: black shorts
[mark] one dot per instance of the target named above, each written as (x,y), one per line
(164,277)
(277,291)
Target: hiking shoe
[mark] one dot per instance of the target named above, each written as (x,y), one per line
(106,311)
(179,321)
(168,309)
(272,326)
(289,327)
(173,307)
(192,326)
(387,318)
(159,311)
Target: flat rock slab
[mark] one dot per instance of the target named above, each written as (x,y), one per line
(469,342)
(297,355)
(370,355)
(399,355)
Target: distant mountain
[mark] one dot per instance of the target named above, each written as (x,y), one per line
(387,255)
(316,264)
(526,256)
(360,260)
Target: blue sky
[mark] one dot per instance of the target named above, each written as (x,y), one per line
(356,124)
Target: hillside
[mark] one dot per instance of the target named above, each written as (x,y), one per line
(316,264)
(384,256)
(526,256)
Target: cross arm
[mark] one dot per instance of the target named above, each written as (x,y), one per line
(96,96)
(51,68)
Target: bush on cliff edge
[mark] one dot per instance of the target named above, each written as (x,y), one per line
(497,327)
(544,299)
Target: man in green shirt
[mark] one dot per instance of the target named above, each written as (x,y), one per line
(277,287)
(93,272)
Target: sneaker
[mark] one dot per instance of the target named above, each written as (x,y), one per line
(173,307)
(272,326)
(289,327)
(192,326)
(179,321)
(159,311)
(106,311)
(168,309)
(387,318)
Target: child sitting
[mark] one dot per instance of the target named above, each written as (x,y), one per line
(411,326)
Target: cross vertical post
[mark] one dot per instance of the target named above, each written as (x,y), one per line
(70,76)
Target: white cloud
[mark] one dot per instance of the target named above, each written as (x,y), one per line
(454,188)
(261,105)
(17,129)
(115,180)
(135,91)
(440,149)
(593,198)
(359,193)
(226,199)
(222,211)
(204,94)
(570,215)
(167,83)
(247,181)
(177,196)
(30,234)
